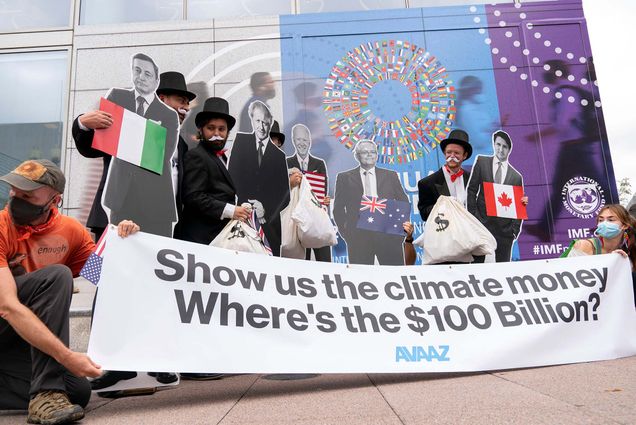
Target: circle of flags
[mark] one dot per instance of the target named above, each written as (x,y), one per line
(346,100)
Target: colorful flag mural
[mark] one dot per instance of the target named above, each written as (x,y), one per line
(404,78)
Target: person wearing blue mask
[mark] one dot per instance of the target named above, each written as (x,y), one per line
(614,232)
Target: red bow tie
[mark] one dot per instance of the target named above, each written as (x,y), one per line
(221,153)
(455,176)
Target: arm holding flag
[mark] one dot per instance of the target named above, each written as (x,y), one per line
(84,127)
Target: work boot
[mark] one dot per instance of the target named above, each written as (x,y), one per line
(53,407)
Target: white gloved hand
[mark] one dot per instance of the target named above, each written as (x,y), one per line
(260,210)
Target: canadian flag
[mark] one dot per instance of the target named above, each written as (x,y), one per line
(503,200)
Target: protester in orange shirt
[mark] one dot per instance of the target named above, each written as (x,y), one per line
(40,252)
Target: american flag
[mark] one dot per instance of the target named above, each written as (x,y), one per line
(253,221)
(383,215)
(92,269)
(317,181)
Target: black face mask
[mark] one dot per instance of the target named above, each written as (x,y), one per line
(23,212)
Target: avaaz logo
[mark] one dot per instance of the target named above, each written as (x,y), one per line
(422,353)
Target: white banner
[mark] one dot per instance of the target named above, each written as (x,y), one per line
(167,305)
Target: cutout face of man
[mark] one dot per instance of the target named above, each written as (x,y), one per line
(367,155)
(302,141)
(501,149)
(261,123)
(145,78)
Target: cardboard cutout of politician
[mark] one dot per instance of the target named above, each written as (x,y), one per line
(369,208)
(126,190)
(259,172)
(307,163)
(496,169)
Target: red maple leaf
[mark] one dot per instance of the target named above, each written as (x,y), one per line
(504,200)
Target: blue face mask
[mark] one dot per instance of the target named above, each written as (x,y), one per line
(607,230)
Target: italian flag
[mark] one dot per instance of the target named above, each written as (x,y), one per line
(503,200)
(132,138)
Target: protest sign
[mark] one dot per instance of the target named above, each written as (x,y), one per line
(167,305)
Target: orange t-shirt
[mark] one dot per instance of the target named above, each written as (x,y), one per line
(66,242)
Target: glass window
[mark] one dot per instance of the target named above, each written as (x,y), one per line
(31,14)
(210,9)
(315,6)
(94,12)
(31,123)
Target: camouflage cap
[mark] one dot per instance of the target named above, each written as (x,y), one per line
(35,173)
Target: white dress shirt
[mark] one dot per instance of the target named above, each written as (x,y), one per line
(372,192)
(304,163)
(456,188)
(504,169)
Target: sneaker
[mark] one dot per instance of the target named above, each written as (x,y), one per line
(53,407)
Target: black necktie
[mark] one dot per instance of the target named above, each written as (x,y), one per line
(260,152)
(140,105)
(498,173)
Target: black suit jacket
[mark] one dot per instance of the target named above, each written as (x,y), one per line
(207,188)
(182,149)
(133,192)
(268,183)
(430,188)
(482,172)
(314,165)
(349,191)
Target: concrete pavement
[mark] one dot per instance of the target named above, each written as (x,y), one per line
(586,393)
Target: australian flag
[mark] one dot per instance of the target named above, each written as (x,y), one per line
(92,269)
(383,215)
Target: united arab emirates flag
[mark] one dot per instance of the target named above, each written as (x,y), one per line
(132,138)
(504,200)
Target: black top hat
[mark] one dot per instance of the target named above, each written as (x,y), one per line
(215,107)
(174,83)
(275,131)
(458,137)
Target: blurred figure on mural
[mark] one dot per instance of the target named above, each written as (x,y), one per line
(259,171)
(473,115)
(495,169)
(303,161)
(375,184)
(574,134)
(263,89)
(451,179)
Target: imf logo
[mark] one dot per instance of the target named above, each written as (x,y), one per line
(582,196)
